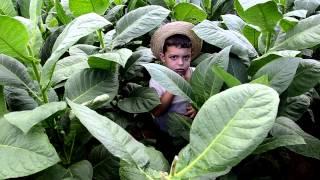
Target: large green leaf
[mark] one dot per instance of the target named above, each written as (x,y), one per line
(230,80)
(7,8)
(52,173)
(238,69)
(113,13)
(104,61)
(10,43)
(131,172)
(233,22)
(19,99)
(252,33)
(287,23)
(24,7)
(257,63)
(261,13)
(170,80)
(24,154)
(228,127)
(279,141)
(80,7)
(81,170)
(118,141)
(157,160)
(297,13)
(138,22)
(179,125)
(68,66)
(83,50)
(295,107)
(304,35)
(189,12)
(155,170)
(106,166)
(35,11)
(203,81)
(133,67)
(78,28)
(35,36)
(285,126)
(310,5)
(87,84)
(213,34)
(307,76)
(261,80)
(140,100)
(61,13)
(13,73)
(280,73)
(246,4)
(25,120)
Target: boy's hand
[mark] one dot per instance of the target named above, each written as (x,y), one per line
(187,75)
(191,112)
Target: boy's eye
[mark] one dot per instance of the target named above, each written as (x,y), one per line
(173,57)
(186,58)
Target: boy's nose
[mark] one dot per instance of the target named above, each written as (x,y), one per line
(180,61)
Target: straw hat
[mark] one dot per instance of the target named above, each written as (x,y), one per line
(177,27)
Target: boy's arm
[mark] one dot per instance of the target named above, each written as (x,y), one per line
(166,100)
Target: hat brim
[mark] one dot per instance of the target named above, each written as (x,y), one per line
(177,27)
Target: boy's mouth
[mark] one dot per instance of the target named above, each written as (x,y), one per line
(180,71)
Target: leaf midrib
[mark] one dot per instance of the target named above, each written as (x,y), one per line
(295,35)
(21,81)
(88,90)
(14,50)
(190,166)
(135,22)
(19,148)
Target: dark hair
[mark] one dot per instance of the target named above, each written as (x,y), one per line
(178,40)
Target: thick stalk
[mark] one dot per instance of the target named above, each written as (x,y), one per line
(3,106)
(37,74)
(36,71)
(268,42)
(100,37)
(173,167)
(44,95)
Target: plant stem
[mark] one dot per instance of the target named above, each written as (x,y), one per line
(71,150)
(173,166)
(3,106)
(100,37)
(44,95)
(36,71)
(268,42)
(37,74)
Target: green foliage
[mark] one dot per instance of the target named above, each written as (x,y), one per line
(10,43)
(24,154)
(137,23)
(87,84)
(80,7)
(189,13)
(25,120)
(117,140)
(139,100)
(7,8)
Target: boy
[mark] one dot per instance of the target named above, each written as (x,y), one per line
(175,44)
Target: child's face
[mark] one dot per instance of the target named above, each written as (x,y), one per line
(177,59)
